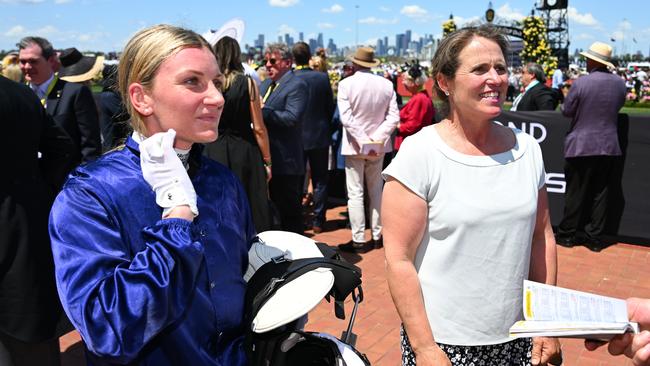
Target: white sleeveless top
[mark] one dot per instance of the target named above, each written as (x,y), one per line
(475,252)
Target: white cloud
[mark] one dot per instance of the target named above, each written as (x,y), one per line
(21,1)
(461,21)
(48,30)
(285,29)
(283,3)
(325,25)
(348,29)
(622,32)
(583,37)
(625,25)
(414,11)
(582,19)
(336,8)
(385,9)
(618,35)
(62,1)
(16,31)
(372,42)
(58,37)
(508,13)
(375,20)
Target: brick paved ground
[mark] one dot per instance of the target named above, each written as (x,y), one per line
(621,271)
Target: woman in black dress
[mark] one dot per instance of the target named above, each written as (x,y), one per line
(243,143)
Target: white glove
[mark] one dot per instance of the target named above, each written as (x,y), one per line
(165,173)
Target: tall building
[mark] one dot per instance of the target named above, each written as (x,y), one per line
(380,47)
(301,37)
(331,46)
(288,40)
(313,44)
(399,44)
(259,42)
(320,40)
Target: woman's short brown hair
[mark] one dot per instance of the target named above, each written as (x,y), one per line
(445,62)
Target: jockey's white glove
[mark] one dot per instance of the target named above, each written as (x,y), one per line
(165,173)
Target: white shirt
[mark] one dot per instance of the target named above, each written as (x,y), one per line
(515,103)
(558,79)
(475,252)
(368,111)
(41,89)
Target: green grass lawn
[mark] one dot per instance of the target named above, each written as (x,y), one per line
(636,111)
(629,110)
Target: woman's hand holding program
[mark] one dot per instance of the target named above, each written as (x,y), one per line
(546,351)
(166,175)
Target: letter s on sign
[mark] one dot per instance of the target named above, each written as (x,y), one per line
(555,183)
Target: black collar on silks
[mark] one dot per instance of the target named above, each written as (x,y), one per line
(270,277)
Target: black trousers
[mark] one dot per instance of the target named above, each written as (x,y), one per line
(18,353)
(318,159)
(588,184)
(286,195)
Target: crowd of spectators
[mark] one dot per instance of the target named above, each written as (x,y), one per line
(289,120)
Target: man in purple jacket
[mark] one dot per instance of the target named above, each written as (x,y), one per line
(591,148)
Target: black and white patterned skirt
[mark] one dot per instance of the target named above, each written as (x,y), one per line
(513,353)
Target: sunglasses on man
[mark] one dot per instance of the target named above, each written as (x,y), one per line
(271,61)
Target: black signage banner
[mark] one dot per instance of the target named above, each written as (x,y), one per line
(629,216)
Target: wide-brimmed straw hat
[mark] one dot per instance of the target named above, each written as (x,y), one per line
(600,52)
(77,68)
(365,56)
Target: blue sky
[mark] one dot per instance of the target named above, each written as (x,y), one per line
(106,25)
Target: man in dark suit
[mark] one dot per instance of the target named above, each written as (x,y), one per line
(536,96)
(284,99)
(71,105)
(591,150)
(316,128)
(31,317)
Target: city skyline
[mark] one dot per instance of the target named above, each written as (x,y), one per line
(106,25)
(402,44)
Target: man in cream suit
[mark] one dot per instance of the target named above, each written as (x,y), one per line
(369,114)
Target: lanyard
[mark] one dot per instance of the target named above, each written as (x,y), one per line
(270,90)
(49,90)
(300,67)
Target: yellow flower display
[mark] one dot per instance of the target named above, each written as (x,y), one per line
(536,47)
(448,26)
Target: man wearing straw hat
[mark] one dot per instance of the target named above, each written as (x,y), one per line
(369,114)
(69,103)
(591,148)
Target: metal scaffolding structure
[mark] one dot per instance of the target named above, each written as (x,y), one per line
(557,30)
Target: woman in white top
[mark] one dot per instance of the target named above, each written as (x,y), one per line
(477,222)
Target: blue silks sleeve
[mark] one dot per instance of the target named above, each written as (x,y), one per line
(120,286)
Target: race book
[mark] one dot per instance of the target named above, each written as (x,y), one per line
(368,146)
(551,311)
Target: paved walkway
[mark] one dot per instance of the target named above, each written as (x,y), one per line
(621,271)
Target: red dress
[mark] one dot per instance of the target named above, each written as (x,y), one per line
(417,113)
